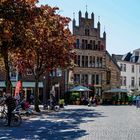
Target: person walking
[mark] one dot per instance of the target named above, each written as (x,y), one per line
(138,101)
(31,99)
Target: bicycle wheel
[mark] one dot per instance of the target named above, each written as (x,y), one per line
(16,120)
(56,108)
(3,118)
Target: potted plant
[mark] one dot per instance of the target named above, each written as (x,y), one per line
(74,97)
(77,101)
(61,103)
(118,102)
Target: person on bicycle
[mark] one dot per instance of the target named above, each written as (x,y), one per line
(11,105)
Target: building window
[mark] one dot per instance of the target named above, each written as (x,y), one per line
(78,62)
(108,77)
(124,80)
(13,75)
(133,68)
(97,79)
(77,78)
(99,42)
(93,45)
(93,61)
(132,81)
(121,78)
(90,61)
(58,72)
(86,61)
(84,79)
(83,43)
(121,66)
(100,62)
(124,67)
(29,72)
(77,43)
(87,32)
(97,62)
(93,79)
(86,44)
(83,61)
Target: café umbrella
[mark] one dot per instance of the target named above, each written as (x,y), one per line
(80,89)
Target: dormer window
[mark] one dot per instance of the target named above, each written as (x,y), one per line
(29,72)
(13,75)
(87,32)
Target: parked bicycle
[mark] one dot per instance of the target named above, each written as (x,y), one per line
(16,119)
(51,106)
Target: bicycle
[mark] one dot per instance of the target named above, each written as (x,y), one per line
(49,106)
(16,119)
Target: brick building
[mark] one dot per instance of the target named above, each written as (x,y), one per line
(95,67)
(28,83)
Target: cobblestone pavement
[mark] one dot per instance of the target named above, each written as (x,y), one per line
(79,123)
(113,123)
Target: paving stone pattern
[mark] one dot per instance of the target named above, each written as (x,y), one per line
(113,123)
(79,123)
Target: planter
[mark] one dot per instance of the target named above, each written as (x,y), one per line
(113,102)
(122,103)
(61,105)
(77,102)
(74,102)
(118,103)
(126,103)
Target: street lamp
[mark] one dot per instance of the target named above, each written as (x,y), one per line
(44,90)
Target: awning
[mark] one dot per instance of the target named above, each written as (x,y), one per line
(116,90)
(24,84)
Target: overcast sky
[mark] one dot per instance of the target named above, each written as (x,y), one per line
(121,19)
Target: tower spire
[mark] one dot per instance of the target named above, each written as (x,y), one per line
(86,14)
(73,15)
(104,28)
(98,18)
(74,22)
(86,7)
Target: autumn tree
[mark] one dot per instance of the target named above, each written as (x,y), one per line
(13,17)
(50,45)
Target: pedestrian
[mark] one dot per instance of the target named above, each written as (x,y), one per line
(17,97)
(11,104)
(31,99)
(90,101)
(52,101)
(138,101)
(94,101)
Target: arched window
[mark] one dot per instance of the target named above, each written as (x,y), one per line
(87,33)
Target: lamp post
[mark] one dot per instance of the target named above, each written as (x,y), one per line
(44,90)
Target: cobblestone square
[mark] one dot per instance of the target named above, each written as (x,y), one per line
(79,123)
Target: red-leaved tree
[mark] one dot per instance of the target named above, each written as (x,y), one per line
(49,45)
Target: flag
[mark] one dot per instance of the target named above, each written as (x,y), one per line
(17,90)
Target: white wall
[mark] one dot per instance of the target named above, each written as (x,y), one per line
(130,74)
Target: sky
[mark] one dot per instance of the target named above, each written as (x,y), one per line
(119,18)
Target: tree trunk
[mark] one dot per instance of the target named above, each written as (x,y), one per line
(7,69)
(36,98)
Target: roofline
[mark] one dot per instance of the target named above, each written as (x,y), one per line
(113,60)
